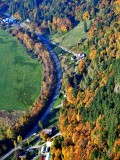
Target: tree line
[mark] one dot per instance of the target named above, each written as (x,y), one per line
(30,118)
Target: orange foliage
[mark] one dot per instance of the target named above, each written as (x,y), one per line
(61,24)
(17,16)
(63,28)
(104,80)
(20,35)
(88,97)
(81,65)
(70,97)
(117,6)
(92,55)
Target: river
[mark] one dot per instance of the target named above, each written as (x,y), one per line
(58,84)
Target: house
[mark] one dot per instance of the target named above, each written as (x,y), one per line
(81,55)
(7,21)
(48,131)
(48,144)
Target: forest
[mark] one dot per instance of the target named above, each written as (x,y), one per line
(90,117)
(53,15)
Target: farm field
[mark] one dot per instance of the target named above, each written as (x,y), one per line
(20,75)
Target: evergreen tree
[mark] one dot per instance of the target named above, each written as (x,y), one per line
(85,26)
(90,24)
(94,13)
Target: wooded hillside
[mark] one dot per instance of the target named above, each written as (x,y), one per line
(90,117)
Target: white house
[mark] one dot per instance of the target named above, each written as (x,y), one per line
(81,55)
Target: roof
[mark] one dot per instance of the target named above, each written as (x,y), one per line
(48,144)
(47,130)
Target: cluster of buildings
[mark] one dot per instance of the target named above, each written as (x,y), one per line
(7,21)
(49,131)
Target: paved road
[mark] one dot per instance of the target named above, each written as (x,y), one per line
(9,153)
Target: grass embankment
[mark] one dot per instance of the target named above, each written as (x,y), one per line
(20,75)
(58,101)
(71,38)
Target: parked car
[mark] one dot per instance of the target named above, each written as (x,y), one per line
(47,149)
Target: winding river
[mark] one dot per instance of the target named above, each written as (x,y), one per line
(58,84)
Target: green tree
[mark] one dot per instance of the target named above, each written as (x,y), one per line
(85,26)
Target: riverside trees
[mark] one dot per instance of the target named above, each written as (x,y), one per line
(43,55)
(26,122)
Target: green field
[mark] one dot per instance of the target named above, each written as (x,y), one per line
(20,75)
(72,37)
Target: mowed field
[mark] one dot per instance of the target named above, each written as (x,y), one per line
(20,75)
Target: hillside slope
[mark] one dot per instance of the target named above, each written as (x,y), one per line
(89,119)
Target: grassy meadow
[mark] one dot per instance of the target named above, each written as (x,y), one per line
(20,75)
(72,37)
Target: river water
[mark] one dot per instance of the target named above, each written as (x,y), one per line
(58,84)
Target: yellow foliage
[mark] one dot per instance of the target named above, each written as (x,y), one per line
(117,6)
(86,16)
(70,97)
(17,16)
(81,65)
